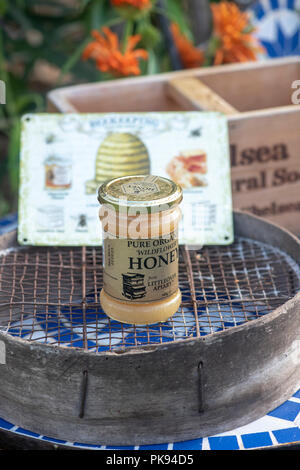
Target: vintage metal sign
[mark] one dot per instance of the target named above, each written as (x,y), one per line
(66,157)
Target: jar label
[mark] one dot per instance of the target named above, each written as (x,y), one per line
(141,270)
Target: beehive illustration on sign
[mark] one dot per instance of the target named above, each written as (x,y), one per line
(120,154)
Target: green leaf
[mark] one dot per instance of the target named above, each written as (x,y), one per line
(98,14)
(176,13)
(153,66)
(3,7)
(23,102)
(20,17)
(149,33)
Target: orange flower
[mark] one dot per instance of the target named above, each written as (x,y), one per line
(108,56)
(233,32)
(140,4)
(190,56)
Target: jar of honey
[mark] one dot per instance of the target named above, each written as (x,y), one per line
(140,217)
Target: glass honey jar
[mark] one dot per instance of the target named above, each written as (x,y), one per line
(140,216)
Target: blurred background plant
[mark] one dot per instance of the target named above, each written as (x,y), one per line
(50,43)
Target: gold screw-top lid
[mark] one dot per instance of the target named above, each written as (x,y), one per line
(154,193)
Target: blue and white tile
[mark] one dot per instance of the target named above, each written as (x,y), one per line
(278,26)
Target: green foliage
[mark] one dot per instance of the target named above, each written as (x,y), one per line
(41,42)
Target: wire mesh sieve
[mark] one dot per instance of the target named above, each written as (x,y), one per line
(51,295)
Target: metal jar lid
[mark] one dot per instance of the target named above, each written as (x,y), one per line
(140,192)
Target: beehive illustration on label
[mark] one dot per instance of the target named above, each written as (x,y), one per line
(120,154)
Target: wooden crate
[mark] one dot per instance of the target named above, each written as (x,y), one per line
(263,123)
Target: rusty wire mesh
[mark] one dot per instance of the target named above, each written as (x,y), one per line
(51,295)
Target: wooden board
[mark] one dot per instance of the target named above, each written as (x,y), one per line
(192,92)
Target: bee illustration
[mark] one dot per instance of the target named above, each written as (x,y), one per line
(196,132)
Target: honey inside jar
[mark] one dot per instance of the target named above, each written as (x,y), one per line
(140,217)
